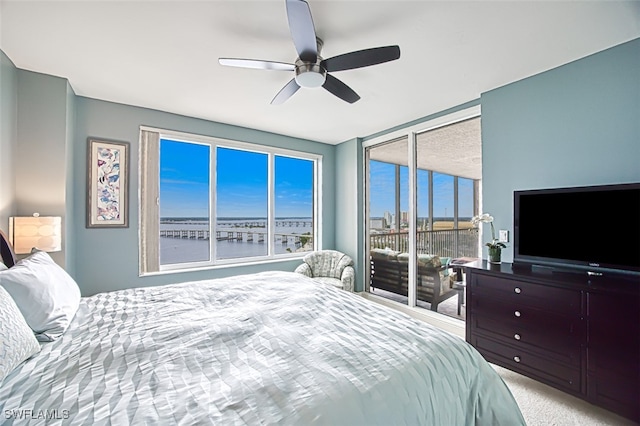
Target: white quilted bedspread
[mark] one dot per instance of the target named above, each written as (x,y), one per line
(267,348)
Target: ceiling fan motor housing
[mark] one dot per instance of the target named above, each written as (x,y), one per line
(310,74)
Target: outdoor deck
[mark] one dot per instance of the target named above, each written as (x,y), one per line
(444,243)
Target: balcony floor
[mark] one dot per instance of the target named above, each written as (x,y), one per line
(449,307)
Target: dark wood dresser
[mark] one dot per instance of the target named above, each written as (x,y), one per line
(575,332)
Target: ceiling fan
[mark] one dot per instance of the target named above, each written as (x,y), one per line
(311,70)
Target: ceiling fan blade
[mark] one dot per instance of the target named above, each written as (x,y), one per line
(286,92)
(257,64)
(340,89)
(302,29)
(362,58)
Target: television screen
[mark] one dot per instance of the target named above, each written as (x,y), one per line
(596,227)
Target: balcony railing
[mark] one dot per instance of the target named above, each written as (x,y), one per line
(444,243)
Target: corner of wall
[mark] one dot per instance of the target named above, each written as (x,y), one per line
(70,218)
(45,110)
(8,139)
(349,227)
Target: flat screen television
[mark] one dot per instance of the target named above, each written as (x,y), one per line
(593,228)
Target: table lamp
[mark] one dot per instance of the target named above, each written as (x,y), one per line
(40,232)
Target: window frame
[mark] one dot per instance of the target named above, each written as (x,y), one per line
(411,132)
(147,239)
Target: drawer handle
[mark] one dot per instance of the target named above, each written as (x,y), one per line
(517,290)
(517,313)
(516,336)
(516,358)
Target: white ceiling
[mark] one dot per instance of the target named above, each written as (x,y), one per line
(163,54)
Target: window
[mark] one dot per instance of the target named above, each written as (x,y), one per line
(184,202)
(294,204)
(207,202)
(242,198)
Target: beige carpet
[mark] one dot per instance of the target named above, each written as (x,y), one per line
(542,405)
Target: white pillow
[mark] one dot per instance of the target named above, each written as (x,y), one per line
(17,342)
(47,296)
(3,267)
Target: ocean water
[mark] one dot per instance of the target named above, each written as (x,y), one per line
(180,250)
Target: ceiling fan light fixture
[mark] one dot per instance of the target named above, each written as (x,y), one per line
(311,70)
(310,74)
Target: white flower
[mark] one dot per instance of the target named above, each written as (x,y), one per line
(485,218)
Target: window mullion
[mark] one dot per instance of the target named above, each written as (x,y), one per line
(316,223)
(412,236)
(213,215)
(271,220)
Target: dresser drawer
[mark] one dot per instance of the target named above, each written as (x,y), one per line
(552,336)
(552,299)
(526,324)
(556,373)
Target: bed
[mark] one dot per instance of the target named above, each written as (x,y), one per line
(266,348)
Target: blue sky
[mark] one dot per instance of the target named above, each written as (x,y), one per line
(294,187)
(241,182)
(184,179)
(383,192)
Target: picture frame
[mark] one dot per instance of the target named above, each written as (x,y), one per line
(107,184)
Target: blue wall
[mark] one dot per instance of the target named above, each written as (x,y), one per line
(43,152)
(41,156)
(578,124)
(575,125)
(8,138)
(107,259)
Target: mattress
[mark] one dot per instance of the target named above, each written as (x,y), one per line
(266,348)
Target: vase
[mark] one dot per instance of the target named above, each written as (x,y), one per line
(495,253)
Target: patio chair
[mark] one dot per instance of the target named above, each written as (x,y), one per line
(390,272)
(329,267)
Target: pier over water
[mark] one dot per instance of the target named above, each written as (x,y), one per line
(233,235)
(190,239)
(280,223)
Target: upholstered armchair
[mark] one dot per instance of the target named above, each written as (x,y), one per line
(330,267)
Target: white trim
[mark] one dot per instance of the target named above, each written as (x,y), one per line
(271,208)
(213,176)
(445,120)
(317,203)
(271,153)
(238,145)
(230,143)
(366,190)
(220,265)
(412,157)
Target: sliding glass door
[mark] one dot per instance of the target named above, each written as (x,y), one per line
(422,189)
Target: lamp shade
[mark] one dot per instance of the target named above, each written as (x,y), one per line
(41,232)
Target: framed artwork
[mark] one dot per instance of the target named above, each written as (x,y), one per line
(108,183)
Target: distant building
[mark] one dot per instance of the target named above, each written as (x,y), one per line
(378,223)
(388,218)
